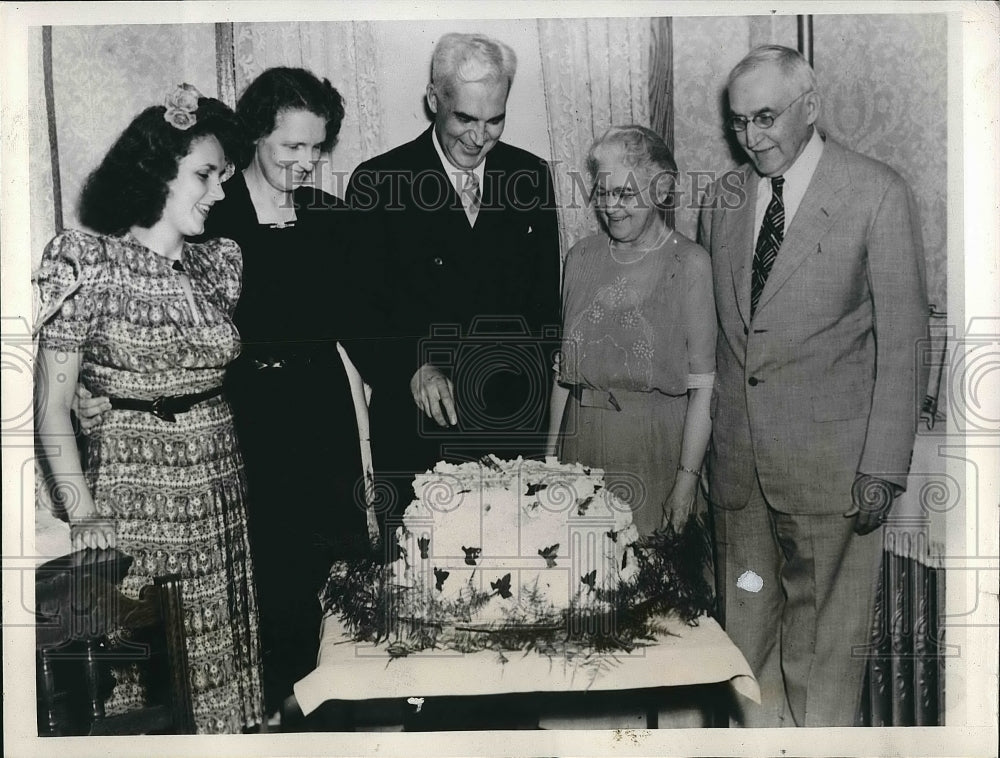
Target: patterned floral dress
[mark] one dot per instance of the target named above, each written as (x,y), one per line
(176,490)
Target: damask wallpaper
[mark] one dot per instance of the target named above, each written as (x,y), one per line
(40,178)
(705,49)
(883,79)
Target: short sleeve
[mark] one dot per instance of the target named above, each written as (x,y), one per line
(699,308)
(65,289)
(222,264)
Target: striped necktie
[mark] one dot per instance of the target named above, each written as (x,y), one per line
(471,197)
(772,232)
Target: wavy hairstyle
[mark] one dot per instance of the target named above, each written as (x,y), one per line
(640,149)
(283,89)
(129,187)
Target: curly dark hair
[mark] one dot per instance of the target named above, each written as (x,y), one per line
(129,188)
(281,89)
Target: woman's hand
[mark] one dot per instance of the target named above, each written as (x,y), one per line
(89,409)
(680,502)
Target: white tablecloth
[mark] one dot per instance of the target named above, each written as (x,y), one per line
(350,670)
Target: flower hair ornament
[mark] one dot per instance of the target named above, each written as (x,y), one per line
(182,104)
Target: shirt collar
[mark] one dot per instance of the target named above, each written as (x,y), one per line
(454,173)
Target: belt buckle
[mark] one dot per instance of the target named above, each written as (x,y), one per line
(261,365)
(160,412)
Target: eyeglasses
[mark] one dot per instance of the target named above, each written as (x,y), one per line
(617,195)
(762,120)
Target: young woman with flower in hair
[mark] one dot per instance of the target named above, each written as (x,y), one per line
(142,317)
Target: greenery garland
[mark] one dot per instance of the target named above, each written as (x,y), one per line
(672,580)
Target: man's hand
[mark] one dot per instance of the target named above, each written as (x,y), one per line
(434,395)
(89,409)
(873,499)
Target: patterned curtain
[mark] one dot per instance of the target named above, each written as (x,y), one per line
(661,87)
(904,685)
(596,74)
(345,52)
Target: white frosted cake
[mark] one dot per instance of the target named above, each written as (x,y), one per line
(508,542)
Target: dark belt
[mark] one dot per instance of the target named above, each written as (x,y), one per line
(165,407)
(286,361)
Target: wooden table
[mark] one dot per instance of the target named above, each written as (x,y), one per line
(359,683)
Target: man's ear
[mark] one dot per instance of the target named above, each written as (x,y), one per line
(432,99)
(813,103)
(663,187)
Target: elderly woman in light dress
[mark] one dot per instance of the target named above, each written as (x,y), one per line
(634,382)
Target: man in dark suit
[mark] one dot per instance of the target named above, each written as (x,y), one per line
(456,256)
(819,287)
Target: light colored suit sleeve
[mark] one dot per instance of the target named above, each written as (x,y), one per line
(897,281)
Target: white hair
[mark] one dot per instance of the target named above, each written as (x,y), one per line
(471,58)
(791,63)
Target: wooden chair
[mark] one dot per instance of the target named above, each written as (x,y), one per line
(85,625)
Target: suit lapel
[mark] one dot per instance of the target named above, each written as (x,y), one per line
(447,215)
(496,196)
(739,229)
(817,212)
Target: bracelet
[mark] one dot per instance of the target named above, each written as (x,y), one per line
(682,467)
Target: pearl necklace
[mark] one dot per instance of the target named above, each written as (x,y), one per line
(661,240)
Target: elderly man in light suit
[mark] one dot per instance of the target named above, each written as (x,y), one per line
(819,287)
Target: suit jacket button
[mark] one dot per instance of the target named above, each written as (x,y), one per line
(438,262)
(746,331)
(752,381)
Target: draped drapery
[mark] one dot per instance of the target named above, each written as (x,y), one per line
(596,74)
(904,684)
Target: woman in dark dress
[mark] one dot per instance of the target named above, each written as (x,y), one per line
(289,389)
